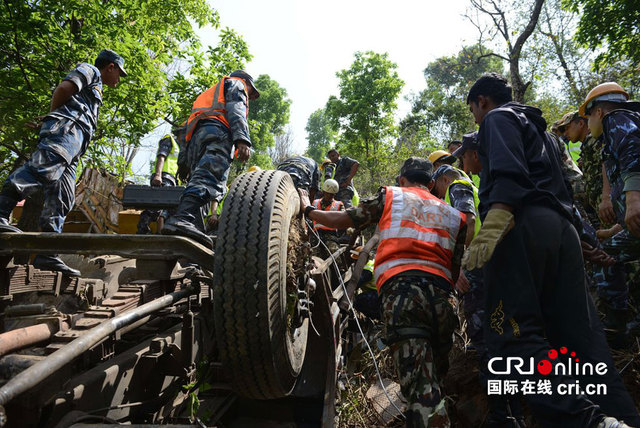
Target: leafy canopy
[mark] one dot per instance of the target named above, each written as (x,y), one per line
(42,40)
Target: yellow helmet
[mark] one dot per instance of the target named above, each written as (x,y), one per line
(608,91)
(325,163)
(440,155)
(255,168)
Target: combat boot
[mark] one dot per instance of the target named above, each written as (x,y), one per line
(54,263)
(182,223)
(7,204)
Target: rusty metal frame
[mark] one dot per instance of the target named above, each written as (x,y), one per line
(155,247)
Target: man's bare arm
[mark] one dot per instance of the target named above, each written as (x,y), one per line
(65,90)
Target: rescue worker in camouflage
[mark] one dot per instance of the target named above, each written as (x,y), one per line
(165,170)
(345,169)
(64,137)
(304,172)
(530,252)
(414,276)
(217,124)
(610,281)
(573,146)
(616,121)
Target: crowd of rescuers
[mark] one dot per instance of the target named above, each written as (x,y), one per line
(507,219)
(520,222)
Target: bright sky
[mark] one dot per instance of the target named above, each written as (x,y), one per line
(302,44)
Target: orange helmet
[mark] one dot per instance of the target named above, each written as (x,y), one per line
(609,91)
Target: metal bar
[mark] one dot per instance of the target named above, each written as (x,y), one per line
(131,246)
(22,337)
(43,369)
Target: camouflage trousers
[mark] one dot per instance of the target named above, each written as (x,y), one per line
(210,155)
(419,322)
(49,171)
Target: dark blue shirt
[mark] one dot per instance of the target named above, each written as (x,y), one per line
(521,164)
(343,170)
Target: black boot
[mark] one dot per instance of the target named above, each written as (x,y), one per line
(55,264)
(7,205)
(182,223)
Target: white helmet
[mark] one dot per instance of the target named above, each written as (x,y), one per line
(330,186)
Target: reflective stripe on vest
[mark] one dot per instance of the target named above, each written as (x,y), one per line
(417,232)
(476,202)
(335,206)
(211,104)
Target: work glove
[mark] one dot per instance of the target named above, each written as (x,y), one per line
(496,225)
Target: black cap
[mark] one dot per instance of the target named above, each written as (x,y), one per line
(469,142)
(417,169)
(442,169)
(247,78)
(113,57)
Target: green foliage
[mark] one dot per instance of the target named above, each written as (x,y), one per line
(320,135)
(363,113)
(42,40)
(440,112)
(612,24)
(268,115)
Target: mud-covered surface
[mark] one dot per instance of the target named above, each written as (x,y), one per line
(298,254)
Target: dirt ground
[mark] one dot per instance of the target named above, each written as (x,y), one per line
(466,400)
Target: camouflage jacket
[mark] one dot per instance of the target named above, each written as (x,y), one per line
(591,165)
(621,154)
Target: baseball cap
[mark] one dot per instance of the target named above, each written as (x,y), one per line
(247,78)
(441,156)
(113,57)
(442,169)
(469,142)
(568,118)
(417,168)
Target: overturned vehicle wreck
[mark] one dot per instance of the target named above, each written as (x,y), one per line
(161,330)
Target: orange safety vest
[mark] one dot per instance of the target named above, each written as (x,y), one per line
(417,232)
(211,104)
(335,206)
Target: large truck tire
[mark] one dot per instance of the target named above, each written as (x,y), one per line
(259,343)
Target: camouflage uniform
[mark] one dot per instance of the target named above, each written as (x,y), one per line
(303,171)
(420,303)
(591,164)
(342,172)
(64,138)
(210,150)
(461,197)
(419,322)
(621,156)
